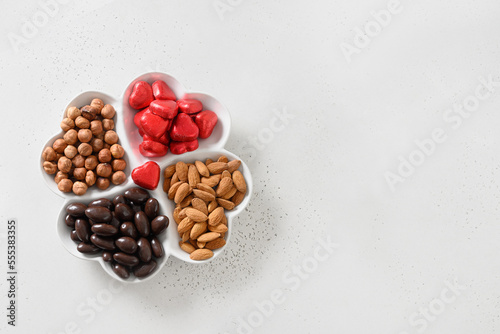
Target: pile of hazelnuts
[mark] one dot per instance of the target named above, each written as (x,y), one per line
(89,152)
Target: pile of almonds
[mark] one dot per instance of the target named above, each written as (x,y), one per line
(202,191)
(88,153)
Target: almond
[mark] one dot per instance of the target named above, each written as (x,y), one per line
(202,168)
(185,236)
(187,247)
(212,205)
(224,186)
(174,179)
(207,197)
(230,193)
(200,205)
(193,176)
(176,215)
(221,228)
(209,236)
(196,215)
(237,198)
(169,171)
(208,162)
(182,170)
(204,187)
(211,181)
(215,244)
(186,201)
(225,174)
(233,165)
(198,229)
(166,185)
(200,244)
(173,189)
(224,220)
(226,204)
(201,254)
(239,181)
(181,193)
(217,167)
(223,158)
(215,217)
(185,225)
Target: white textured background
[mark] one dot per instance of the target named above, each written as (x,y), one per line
(321,176)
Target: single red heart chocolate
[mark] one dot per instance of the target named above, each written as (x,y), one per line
(183,128)
(206,121)
(180,147)
(164,108)
(161,91)
(189,106)
(151,148)
(153,125)
(141,96)
(147,175)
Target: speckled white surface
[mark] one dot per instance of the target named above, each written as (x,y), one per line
(320,175)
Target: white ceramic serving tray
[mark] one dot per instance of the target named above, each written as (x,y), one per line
(212,148)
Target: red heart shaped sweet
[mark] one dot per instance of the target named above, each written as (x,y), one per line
(180,147)
(206,121)
(151,148)
(164,108)
(161,91)
(189,106)
(141,96)
(183,128)
(153,125)
(147,175)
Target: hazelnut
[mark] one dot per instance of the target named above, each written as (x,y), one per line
(89,112)
(108,111)
(111,137)
(117,151)
(70,151)
(91,162)
(65,185)
(85,149)
(100,136)
(82,122)
(96,127)
(118,177)
(104,170)
(79,188)
(97,144)
(84,135)
(59,145)
(64,164)
(118,164)
(98,104)
(78,161)
(80,173)
(90,178)
(67,124)
(60,176)
(49,167)
(108,124)
(107,146)
(105,155)
(102,183)
(49,154)
(73,112)
(71,137)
